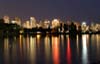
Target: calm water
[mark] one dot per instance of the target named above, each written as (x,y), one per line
(61,49)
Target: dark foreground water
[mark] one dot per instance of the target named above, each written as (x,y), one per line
(61,49)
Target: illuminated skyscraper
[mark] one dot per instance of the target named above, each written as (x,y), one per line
(32,22)
(28,24)
(18,21)
(55,23)
(6,19)
(46,24)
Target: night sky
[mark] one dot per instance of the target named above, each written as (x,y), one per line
(49,9)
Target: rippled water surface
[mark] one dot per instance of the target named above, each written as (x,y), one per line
(60,49)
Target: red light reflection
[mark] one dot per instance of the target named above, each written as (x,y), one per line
(68,52)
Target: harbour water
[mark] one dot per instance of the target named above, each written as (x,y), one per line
(50,49)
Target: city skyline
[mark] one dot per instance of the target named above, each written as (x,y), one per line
(49,9)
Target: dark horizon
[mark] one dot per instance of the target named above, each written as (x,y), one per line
(85,10)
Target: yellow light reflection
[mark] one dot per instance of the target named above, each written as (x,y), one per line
(32,51)
(55,50)
(20,46)
(6,51)
(20,42)
(77,44)
(14,49)
(38,40)
(98,45)
(27,43)
(47,49)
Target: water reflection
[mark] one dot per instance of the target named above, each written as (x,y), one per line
(55,50)
(32,54)
(47,49)
(62,40)
(84,49)
(77,44)
(38,40)
(6,51)
(98,45)
(60,49)
(68,53)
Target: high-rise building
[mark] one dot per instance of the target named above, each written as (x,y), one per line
(46,24)
(6,19)
(32,22)
(18,21)
(55,23)
(27,24)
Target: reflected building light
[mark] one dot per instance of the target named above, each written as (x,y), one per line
(14,50)
(20,46)
(62,40)
(38,39)
(98,45)
(84,50)
(27,43)
(93,39)
(77,44)
(98,40)
(55,50)
(38,36)
(68,52)
(32,51)
(47,49)
(24,43)
(20,42)
(6,51)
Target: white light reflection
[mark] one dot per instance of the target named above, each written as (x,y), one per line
(84,49)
